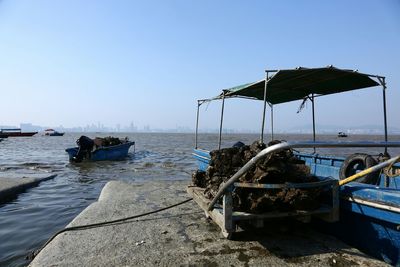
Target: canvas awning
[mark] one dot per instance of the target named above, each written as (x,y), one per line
(296,84)
(289,85)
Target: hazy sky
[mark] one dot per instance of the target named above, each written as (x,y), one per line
(80,62)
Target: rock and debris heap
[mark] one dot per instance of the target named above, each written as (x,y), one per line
(108,141)
(111,141)
(278,168)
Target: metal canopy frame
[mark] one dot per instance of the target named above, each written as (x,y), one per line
(381,80)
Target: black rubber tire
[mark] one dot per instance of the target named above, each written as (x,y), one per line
(358,162)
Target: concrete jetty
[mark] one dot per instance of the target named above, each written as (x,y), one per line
(182,236)
(10,187)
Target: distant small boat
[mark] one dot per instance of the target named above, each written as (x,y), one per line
(52,132)
(342,134)
(15,132)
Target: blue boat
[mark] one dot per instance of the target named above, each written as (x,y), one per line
(368,195)
(117,152)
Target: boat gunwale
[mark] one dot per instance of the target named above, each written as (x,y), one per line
(104,147)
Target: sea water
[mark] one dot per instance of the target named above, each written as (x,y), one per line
(27,221)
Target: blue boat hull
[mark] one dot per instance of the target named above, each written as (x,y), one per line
(117,152)
(369,214)
(374,236)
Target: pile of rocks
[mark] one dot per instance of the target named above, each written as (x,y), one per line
(111,141)
(278,168)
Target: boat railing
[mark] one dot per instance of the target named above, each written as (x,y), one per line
(129,143)
(288,145)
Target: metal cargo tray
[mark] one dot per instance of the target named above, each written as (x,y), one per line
(228,219)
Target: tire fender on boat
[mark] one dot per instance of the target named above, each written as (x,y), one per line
(358,162)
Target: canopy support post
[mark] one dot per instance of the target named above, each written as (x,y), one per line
(197,123)
(265,107)
(222,118)
(313,118)
(272,122)
(383,83)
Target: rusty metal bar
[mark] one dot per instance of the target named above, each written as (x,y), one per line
(272,122)
(313,118)
(265,106)
(383,83)
(197,124)
(222,119)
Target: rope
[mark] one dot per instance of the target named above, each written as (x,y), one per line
(302,105)
(390,168)
(33,254)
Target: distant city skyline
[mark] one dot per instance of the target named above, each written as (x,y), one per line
(301,129)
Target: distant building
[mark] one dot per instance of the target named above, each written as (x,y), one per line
(29,127)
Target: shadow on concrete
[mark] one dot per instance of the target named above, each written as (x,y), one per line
(292,240)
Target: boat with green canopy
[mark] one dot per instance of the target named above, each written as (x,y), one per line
(367,188)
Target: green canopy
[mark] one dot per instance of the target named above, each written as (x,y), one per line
(288,85)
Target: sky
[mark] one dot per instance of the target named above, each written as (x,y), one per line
(74,63)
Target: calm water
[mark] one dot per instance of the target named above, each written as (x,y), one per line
(30,219)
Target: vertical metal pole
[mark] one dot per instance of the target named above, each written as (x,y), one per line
(272,122)
(384,110)
(265,106)
(222,118)
(197,124)
(313,118)
(227,205)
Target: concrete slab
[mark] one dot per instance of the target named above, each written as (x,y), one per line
(10,187)
(182,236)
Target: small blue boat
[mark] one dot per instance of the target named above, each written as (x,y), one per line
(368,208)
(117,152)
